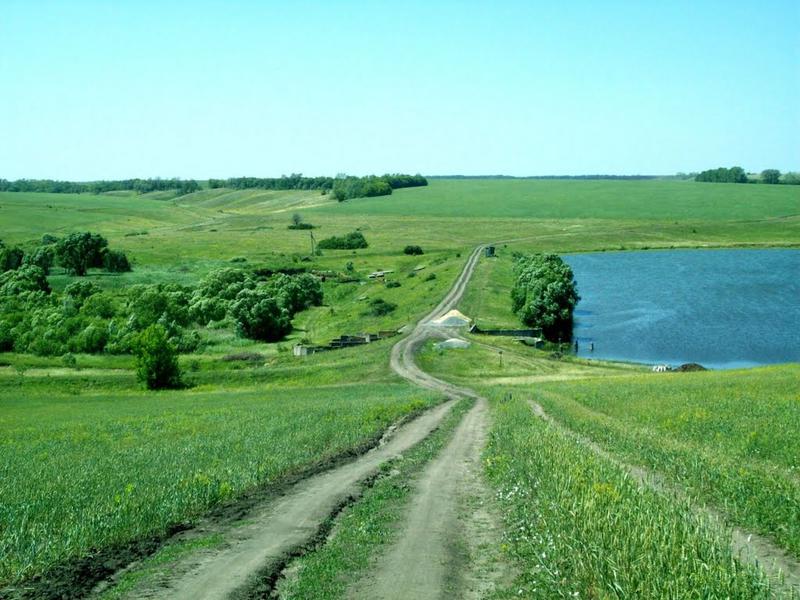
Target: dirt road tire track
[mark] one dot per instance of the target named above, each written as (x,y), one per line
(274,531)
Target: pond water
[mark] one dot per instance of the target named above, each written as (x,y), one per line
(723,309)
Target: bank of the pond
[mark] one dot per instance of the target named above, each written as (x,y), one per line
(726,308)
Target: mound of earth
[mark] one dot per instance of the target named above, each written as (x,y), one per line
(689,367)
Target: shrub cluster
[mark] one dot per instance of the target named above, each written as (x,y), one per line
(351,241)
(413,250)
(85,319)
(544,294)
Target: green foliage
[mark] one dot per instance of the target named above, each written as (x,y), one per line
(544,294)
(379,307)
(10,257)
(25,279)
(791,178)
(42,257)
(259,316)
(346,188)
(351,241)
(115,261)
(140,186)
(770,176)
(297,292)
(723,175)
(413,250)
(77,292)
(156,359)
(78,252)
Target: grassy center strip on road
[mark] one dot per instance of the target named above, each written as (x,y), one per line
(363,530)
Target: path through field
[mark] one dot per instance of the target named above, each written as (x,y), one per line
(257,547)
(428,560)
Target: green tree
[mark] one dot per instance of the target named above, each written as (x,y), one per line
(42,257)
(115,261)
(156,359)
(80,251)
(544,294)
(771,176)
(10,257)
(25,279)
(259,315)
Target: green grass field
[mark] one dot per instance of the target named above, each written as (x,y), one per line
(91,461)
(139,462)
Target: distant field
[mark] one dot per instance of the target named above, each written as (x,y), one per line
(566,199)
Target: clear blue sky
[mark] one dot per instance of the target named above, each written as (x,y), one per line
(123,88)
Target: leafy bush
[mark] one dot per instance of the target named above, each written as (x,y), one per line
(78,292)
(380,307)
(544,294)
(25,279)
(43,257)
(80,251)
(10,258)
(392,284)
(298,292)
(413,250)
(259,316)
(115,261)
(430,277)
(156,359)
(351,241)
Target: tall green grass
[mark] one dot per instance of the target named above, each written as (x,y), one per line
(577,526)
(95,470)
(730,439)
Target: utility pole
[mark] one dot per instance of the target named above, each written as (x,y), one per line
(313,243)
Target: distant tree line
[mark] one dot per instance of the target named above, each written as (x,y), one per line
(738,175)
(598,176)
(343,187)
(140,186)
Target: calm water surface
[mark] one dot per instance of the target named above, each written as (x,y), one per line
(720,308)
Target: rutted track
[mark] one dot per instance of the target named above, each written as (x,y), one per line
(427,561)
(256,549)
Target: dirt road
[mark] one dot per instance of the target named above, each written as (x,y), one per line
(270,533)
(431,556)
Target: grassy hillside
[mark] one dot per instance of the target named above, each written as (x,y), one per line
(244,423)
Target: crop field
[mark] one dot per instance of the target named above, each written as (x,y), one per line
(89,462)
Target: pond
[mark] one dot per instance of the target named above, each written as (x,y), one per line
(723,309)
